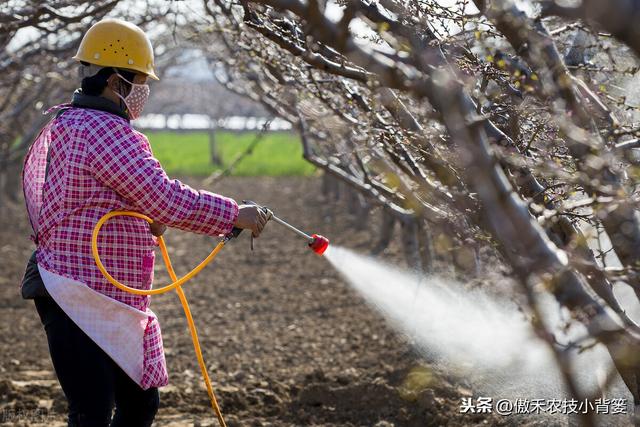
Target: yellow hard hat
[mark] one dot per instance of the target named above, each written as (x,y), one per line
(117,43)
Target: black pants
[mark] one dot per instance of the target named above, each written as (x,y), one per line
(90,379)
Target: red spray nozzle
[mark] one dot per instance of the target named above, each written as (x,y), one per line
(319,244)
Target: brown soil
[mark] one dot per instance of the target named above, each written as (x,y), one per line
(287,342)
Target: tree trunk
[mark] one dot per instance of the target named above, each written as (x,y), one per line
(214,153)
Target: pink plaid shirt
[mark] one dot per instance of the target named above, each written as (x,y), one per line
(99,163)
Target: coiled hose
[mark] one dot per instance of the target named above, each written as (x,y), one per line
(176,284)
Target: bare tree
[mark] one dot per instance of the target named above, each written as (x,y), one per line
(467,124)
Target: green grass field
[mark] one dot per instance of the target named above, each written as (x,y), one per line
(277,154)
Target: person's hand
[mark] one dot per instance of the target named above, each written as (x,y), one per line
(157,229)
(251,217)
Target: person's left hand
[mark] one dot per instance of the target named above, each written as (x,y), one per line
(157,228)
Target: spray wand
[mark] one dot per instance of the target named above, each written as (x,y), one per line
(317,243)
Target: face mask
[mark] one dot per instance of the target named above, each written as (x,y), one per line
(136,99)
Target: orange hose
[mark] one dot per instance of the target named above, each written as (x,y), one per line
(176,284)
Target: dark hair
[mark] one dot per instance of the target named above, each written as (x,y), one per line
(94,85)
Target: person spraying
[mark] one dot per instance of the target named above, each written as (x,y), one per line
(106,344)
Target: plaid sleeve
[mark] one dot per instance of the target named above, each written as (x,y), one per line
(119,158)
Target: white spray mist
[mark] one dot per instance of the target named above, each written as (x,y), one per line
(471,334)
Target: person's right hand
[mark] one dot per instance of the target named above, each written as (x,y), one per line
(251,217)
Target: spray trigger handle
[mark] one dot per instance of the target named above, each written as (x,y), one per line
(235,232)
